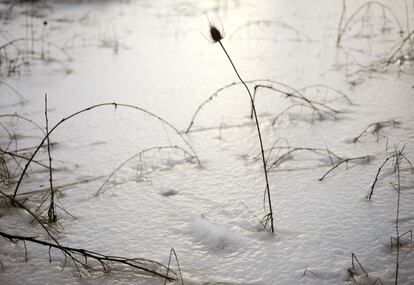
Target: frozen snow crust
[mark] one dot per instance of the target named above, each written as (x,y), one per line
(153,54)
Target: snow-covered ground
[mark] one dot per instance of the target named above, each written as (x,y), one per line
(155,55)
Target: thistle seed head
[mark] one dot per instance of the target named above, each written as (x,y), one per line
(215,34)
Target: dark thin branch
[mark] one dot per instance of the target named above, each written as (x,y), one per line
(320,151)
(377,127)
(141,264)
(116,105)
(342,162)
(136,155)
(344,27)
(259,135)
(52,210)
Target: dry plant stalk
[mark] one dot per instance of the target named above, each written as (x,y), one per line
(318,107)
(20,117)
(397,218)
(344,24)
(297,95)
(173,252)
(80,258)
(397,154)
(115,105)
(77,254)
(16,54)
(52,209)
(140,154)
(344,161)
(353,270)
(376,128)
(290,150)
(397,157)
(216,36)
(399,54)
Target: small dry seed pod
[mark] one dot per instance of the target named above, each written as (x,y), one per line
(215,34)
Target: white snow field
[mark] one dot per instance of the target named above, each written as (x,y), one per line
(127,182)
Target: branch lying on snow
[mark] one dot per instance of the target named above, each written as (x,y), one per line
(141,264)
(115,105)
(376,128)
(280,88)
(366,157)
(318,107)
(140,155)
(320,151)
(397,154)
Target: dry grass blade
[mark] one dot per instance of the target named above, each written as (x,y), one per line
(324,86)
(66,186)
(287,109)
(399,54)
(353,270)
(310,271)
(24,119)
(20,156)
(318,107)
(378,281)
(342,28)
(284,89)
(173,252)
(140,154)
(19,96)
(15,54)
(391,57)
(397,219)
(17,203)
(397,154)
(19,40)
(376,128)
(395,240)
(51,211)
(225,87)
(254,215)
(343,161)
(319,151)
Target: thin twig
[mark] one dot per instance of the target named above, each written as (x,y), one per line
(52,211)
(173,252)
(397,219)
(401,156)
(116,105)
(343,28)
(137,263)
(342,162)
(290,150)
(221,89)
(377,127)
(136,155)
(259,135)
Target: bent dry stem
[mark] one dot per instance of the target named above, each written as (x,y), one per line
(115,105)
(213,32)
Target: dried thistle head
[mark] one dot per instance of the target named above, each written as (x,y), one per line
(215,34)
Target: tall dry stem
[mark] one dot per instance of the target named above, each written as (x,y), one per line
(52,209)
(217,36)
